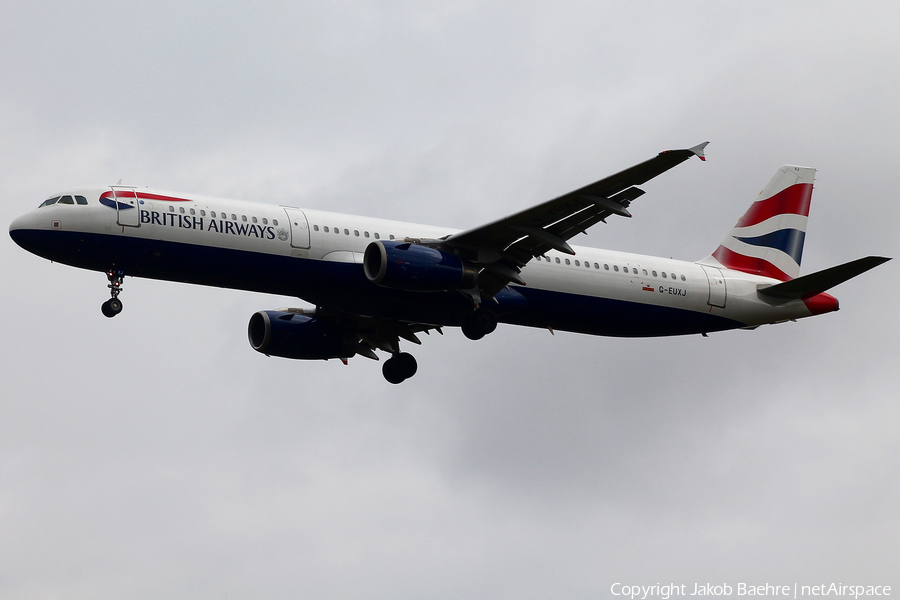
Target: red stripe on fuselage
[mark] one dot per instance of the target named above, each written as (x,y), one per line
(142,196)
(793,200)
(748,264)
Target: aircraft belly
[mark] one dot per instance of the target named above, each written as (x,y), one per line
(598,315)
(613,306)
(333,284)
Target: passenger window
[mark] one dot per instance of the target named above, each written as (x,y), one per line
(682,278)
(377,236)
(171,208)
(567,262)
(596,266)
(326,229)
(315,227)
(587,264)
(337,230)
(577,264)
(212,213)
(192,212)
(664,274)
(181,209)
(634,271)
(606,267)
(48,202)
(244,218)
(233,217)
(66,200)
(275,222)
(356,232)
(654,273)
(266,222)
(346,232)
(557,260)
(366,233)
(202,213)
(81,200)
(391,236)
(254,219)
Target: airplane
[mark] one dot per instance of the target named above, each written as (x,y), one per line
(374,282)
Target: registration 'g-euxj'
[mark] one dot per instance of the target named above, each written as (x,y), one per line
(377,283)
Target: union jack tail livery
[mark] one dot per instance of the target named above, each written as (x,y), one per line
(768,239)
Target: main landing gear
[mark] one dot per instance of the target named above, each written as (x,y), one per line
(480,323)
(113,306)
(402,365)
(399,367)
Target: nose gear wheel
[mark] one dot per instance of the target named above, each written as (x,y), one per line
(113,306)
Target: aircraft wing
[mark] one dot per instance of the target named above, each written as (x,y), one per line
(503,247)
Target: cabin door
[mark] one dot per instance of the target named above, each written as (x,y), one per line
(128,208)
(299,228)
(717,292)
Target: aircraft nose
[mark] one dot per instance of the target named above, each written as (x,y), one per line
(20,225)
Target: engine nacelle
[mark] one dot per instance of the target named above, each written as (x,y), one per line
(292,335)
(406,266)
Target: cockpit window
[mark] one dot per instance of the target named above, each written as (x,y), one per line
(65,200)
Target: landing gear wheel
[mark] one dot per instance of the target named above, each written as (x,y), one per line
(478,324)
(391,371)
(407,364)
(399,367)
(111,307)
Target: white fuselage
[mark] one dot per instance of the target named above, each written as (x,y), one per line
(151,239)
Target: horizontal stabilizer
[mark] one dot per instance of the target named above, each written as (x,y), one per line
(816,283)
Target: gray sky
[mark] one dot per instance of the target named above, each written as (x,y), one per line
(157,455)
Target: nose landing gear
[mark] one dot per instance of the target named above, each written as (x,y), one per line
(113,306)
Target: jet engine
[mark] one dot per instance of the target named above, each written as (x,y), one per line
(295,335)
(407,266)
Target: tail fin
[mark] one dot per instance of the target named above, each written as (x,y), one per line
(768,239)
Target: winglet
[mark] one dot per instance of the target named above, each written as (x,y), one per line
(698,150)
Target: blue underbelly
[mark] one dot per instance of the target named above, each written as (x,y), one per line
(344,287)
